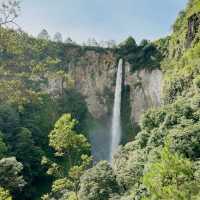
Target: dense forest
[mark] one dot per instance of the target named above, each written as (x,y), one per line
(45,150)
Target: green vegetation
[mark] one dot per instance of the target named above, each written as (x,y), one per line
(171,177)
(98,183)
(72,153)
(4,194)
(44,148)
(66,142)
(147,55)
(27,112)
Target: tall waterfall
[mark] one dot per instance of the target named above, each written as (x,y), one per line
(116,117)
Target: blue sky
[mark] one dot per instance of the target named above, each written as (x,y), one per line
(102,19)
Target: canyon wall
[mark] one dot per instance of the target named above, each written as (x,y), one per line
(94,77)
(145,90)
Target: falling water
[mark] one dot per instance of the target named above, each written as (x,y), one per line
(116,117)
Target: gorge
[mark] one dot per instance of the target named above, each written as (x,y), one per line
(82,122)
(94,73)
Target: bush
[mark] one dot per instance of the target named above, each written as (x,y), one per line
(98,183)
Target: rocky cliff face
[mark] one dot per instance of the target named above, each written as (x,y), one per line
(95,81)
(94,75)
(193,28)
(145,90)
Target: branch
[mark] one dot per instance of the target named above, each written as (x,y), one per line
(9,13)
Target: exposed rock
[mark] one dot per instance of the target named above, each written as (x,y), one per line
(95,81)
(193,28)
(95,74)
(145,91)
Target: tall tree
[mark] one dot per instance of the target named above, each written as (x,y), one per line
(98,183)
(69,41)
(92,42)
(10,174)
(64,139)
(44,35)
(171,177)
(111,44)
(73,148)
(58,37)
(5,194)
(3,146)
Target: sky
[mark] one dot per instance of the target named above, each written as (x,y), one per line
(101,19)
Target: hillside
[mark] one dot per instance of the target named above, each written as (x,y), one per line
(43,150)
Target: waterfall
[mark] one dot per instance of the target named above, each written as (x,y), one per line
(116,116)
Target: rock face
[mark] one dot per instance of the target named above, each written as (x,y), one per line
(145,90)
(95,81)
(94,75)
(193,28)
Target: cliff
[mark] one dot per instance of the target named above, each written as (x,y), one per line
(46,67)
(94,76)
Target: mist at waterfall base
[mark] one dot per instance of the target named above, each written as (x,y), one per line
(105,136)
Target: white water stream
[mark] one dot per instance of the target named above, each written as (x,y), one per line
(116,117)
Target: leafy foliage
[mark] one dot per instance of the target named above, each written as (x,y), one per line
(74,150)
(10,174)
(66,141)
(9,11)
(4,194)
(146,168)
(98,183)
(147,55)
(171,177)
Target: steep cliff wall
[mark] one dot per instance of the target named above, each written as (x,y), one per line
(94,75)
(145,90)
(95,81)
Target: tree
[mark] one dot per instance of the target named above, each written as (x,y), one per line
(9,11)
(98,183)
(3,146)
(129,165)
(44,35)
(73,102)
(5,194)
(24,149)
(9,119)
(92,42)
(67,187)
(171,177)
(111,44)
(58,37)
(69,41)
(77,171)
(66,142)
(129,43)
(103,44)
(10,174)
(144,42)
